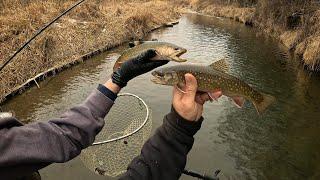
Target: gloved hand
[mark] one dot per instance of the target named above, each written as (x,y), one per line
(135,67)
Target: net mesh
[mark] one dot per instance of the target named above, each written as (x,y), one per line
(127,115)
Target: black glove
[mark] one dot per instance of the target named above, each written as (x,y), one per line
(135,67)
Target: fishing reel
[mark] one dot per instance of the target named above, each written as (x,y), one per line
(202,176)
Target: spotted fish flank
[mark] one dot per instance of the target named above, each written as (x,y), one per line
(164,50)
(211,78)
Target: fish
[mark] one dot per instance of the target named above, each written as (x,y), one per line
(212,78)
(164,50)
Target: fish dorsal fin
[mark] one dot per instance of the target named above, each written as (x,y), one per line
(220,65)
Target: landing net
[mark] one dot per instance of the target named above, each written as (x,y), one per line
(127,126)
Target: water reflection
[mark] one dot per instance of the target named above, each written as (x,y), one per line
(58,93)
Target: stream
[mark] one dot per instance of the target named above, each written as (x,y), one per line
(283,143)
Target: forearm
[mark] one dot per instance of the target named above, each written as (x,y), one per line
(59,140)
(112,86)
(164,155)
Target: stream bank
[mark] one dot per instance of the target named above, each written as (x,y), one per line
(91,28)
(296,26)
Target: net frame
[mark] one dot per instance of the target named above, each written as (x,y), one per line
(99,157)
(135,131)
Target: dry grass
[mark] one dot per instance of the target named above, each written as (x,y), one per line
(271,16)
(228,9)
(243,15)
(93,25)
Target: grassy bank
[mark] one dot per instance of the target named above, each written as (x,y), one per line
(296,23)
(93,25)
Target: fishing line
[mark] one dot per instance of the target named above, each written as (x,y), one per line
(39,32)
(181,90)
(211,98)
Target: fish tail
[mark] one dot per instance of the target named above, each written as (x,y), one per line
(267,101)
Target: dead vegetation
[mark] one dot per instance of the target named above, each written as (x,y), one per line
(104,24)
(93,25)
(296,23)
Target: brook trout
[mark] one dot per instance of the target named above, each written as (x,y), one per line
(165,51)
(211,78)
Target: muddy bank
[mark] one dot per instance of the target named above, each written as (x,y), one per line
(298,29)
(92,27)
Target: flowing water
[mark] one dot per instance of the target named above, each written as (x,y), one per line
(284,143)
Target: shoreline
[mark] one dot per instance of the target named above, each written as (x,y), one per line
(48,54)
(305,47)
(55,70)
(86,32)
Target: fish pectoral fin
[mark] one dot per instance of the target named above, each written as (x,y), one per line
(238,101)
(220,65)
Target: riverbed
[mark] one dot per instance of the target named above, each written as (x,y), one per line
(283,143)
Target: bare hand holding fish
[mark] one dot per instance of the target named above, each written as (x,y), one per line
(189,104)
(212,78)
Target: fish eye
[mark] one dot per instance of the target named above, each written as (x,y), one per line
(176,48)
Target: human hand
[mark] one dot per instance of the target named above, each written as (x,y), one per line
(189,104)
(135,67)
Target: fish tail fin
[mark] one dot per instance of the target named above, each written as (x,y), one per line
(267,101)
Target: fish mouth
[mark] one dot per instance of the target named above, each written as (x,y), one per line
(182,51)
(176,56)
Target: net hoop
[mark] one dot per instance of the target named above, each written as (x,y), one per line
(135,131)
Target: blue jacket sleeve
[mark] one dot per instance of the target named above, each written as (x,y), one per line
(28,148)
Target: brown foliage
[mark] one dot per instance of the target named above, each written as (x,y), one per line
(295,22)
(93,25)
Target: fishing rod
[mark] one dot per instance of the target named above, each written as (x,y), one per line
(200,176)
(39,32)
